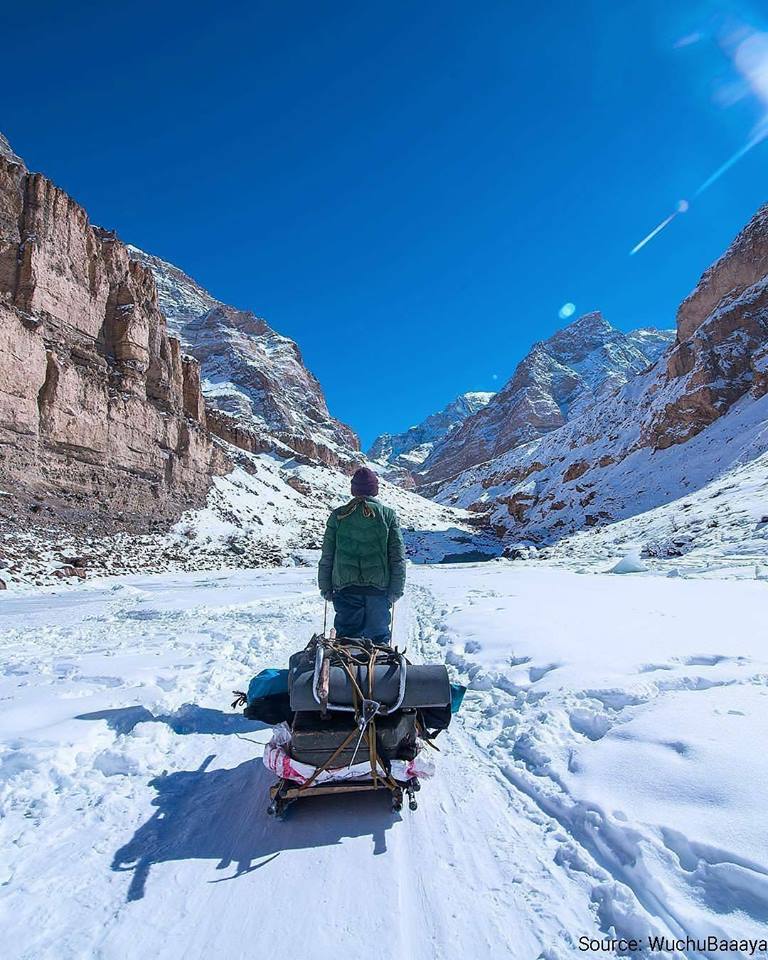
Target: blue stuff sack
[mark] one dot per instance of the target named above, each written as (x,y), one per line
(457,696)
(268,683)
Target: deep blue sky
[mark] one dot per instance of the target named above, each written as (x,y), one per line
(410,190)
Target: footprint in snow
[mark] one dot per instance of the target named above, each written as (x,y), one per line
(538,673)
(616,699)
(589,724)
(653,667)
(139,615)
(704,660)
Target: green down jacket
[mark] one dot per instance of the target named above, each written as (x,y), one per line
(363,546)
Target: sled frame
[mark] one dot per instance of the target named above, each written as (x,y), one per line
(285,792)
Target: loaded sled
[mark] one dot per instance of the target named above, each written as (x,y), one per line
(350,716)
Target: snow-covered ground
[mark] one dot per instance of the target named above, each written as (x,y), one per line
(605,775)
(718,530)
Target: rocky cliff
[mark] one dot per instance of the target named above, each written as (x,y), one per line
(259,392)
(721,348)
(550,385)
(102,423)
(699,412)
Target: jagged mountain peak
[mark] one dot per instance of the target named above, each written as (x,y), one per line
(6,151)
(558,376)
(251,374)
(408,450)
(588,325)
(743,264)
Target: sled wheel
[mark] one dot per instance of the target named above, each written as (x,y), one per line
(277,809)
(410,789)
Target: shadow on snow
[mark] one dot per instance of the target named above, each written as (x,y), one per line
(189,718)
(221,815)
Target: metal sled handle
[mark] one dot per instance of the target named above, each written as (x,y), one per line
(401,691)
(320,657)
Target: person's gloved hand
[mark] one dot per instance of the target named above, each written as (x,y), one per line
(394,597)
(327,595)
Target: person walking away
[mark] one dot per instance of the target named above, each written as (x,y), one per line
(362,564)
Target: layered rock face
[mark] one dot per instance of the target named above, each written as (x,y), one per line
(408,450)
(722,340)
(254,378)
(550,385)
(700,411)
(101,416)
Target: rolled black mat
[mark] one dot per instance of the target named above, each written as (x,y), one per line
(426,685)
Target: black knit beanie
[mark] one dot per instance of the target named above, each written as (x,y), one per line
(365,483)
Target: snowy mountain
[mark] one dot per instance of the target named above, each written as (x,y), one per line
(266,511)
(550,385)
(698,414)
(252,377)
(719,529)
(410,448)
(181,298)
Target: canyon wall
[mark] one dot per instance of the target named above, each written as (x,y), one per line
(102,420)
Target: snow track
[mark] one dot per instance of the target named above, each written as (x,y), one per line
(134,801)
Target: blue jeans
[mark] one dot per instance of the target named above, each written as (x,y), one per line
(362,614)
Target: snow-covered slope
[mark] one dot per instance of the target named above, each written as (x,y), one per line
(410,448)
(269,504)
(270,510)
(722,526)
(255,377)
(596,469)
(181,298)
(556,380)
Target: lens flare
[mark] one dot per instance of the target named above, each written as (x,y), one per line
(656,230)
(747,49)
(732,161)
(567,310)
